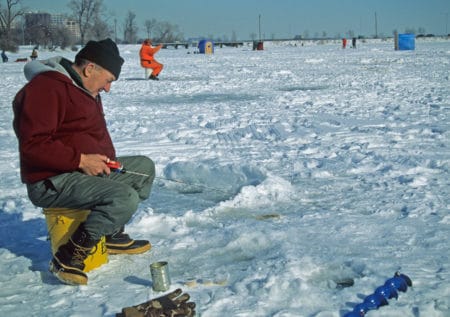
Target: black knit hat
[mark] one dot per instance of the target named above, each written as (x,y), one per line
(104,53)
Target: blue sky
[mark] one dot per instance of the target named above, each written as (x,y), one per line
(279,18)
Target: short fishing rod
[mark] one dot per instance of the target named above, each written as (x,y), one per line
(118,167)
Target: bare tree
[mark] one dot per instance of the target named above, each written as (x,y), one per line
(7,17)
(130,29)
(150,26)
(39,34)
(85,12)
(167,33)
(100,29)
(63,37)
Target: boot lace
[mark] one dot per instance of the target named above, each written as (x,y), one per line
(80,254)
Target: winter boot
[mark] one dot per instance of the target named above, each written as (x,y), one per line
(121,243)
(68,262)
(153,77)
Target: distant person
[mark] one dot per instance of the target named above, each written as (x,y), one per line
(354,42)
(34,54)
(344,42)
(148,61)
(4,57)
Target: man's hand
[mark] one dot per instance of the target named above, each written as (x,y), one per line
(94,164)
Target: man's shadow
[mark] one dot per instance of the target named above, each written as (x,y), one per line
(27,238)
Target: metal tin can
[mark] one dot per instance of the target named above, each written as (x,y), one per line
(160,276)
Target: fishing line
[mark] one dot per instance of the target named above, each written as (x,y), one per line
(118,167)
(193,184)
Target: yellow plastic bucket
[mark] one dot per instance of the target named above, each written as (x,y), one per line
(62,222)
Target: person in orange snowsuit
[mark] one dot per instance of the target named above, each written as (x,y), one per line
(148,61)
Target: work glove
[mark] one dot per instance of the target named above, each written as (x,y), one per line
(174,304)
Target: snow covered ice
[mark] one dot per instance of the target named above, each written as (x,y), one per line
(295,168)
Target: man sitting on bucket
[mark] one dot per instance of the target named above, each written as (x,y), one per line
(65,148)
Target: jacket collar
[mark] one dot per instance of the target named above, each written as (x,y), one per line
(72,73)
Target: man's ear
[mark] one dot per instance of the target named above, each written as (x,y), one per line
(88,69)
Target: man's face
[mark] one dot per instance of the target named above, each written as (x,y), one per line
(97,79)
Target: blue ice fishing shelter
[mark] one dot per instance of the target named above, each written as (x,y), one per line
(406,42)
(206,47)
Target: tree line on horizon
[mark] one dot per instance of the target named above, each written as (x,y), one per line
(94,24)
(91,20)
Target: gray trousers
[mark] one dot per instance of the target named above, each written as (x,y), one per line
(112,199)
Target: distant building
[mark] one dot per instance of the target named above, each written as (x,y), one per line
(36,26)
(58,19)
(73,27)
(37,19)
(39,24)
(61,20)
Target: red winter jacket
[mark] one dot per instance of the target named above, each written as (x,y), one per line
(55,121)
